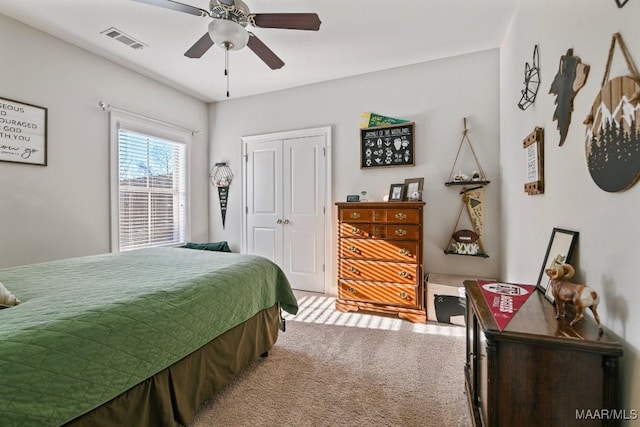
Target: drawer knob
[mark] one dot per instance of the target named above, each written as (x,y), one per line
(403,274)
(353,249)
(351,290)
(401,232)
(352,269)
(354,215)
(403,295)
(401,215)
(404,251)
(355,230)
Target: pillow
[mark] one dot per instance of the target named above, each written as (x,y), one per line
(7,299)
(213,246)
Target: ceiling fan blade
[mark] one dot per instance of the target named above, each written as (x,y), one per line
(263,52)
(227,2)
(174,5)
(290,21)
(200,47)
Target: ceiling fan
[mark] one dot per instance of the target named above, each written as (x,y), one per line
(228,27)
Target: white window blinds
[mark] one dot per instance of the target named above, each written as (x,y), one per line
(151,191)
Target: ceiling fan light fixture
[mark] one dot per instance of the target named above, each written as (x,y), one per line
(228,34)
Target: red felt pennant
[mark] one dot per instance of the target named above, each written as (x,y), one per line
(504,299)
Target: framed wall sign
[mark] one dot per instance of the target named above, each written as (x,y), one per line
(560,250)
(386,146)
(534,144)
(23,133)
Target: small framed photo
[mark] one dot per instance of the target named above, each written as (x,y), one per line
(413,189)
(396,192)
(560,250)
(353,197)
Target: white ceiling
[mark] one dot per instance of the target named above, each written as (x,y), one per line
(356,37)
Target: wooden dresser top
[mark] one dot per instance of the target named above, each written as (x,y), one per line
(379,205)
(536,322)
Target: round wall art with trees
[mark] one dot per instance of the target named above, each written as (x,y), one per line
(613,129)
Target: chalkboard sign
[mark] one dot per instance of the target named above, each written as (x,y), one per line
(387,146)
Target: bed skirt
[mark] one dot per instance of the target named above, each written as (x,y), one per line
(176,393)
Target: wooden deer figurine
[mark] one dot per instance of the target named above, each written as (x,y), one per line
(580,296)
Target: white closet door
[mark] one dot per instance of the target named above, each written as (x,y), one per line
(285,206)
(264,200)
(303,212)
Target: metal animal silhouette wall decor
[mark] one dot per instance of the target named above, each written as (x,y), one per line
(531,81)
(572,75)
(621,3)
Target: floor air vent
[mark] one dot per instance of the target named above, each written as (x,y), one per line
(116,34)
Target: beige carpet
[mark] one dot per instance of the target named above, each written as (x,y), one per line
(349,369)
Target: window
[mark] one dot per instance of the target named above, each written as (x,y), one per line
(149,186)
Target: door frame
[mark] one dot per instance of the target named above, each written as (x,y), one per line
(324,131)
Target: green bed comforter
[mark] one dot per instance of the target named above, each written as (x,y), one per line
(90,328)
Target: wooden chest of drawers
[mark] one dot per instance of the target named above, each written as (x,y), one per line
(539,371)
(380,258)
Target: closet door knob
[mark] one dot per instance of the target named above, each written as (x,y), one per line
(279,221)
(286,221)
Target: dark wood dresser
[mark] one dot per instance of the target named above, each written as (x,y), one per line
(380,258)
(538,371)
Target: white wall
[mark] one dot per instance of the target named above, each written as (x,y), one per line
(607,257)
(62,210)
(436,95)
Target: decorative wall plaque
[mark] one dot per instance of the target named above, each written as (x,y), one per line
(572,75)
(23,133)
(613,128)
(387,146)
(534,144)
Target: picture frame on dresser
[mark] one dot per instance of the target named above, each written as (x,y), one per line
(560,249)
(413,189)
(396,192)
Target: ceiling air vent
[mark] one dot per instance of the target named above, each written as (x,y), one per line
(116,34)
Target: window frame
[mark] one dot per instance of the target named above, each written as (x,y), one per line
(153,128)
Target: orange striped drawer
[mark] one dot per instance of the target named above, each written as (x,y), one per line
(387,293)
(378,271)
(390,250)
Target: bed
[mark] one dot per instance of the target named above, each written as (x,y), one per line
(135,338)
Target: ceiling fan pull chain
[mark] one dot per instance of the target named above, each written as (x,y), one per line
(226,65)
